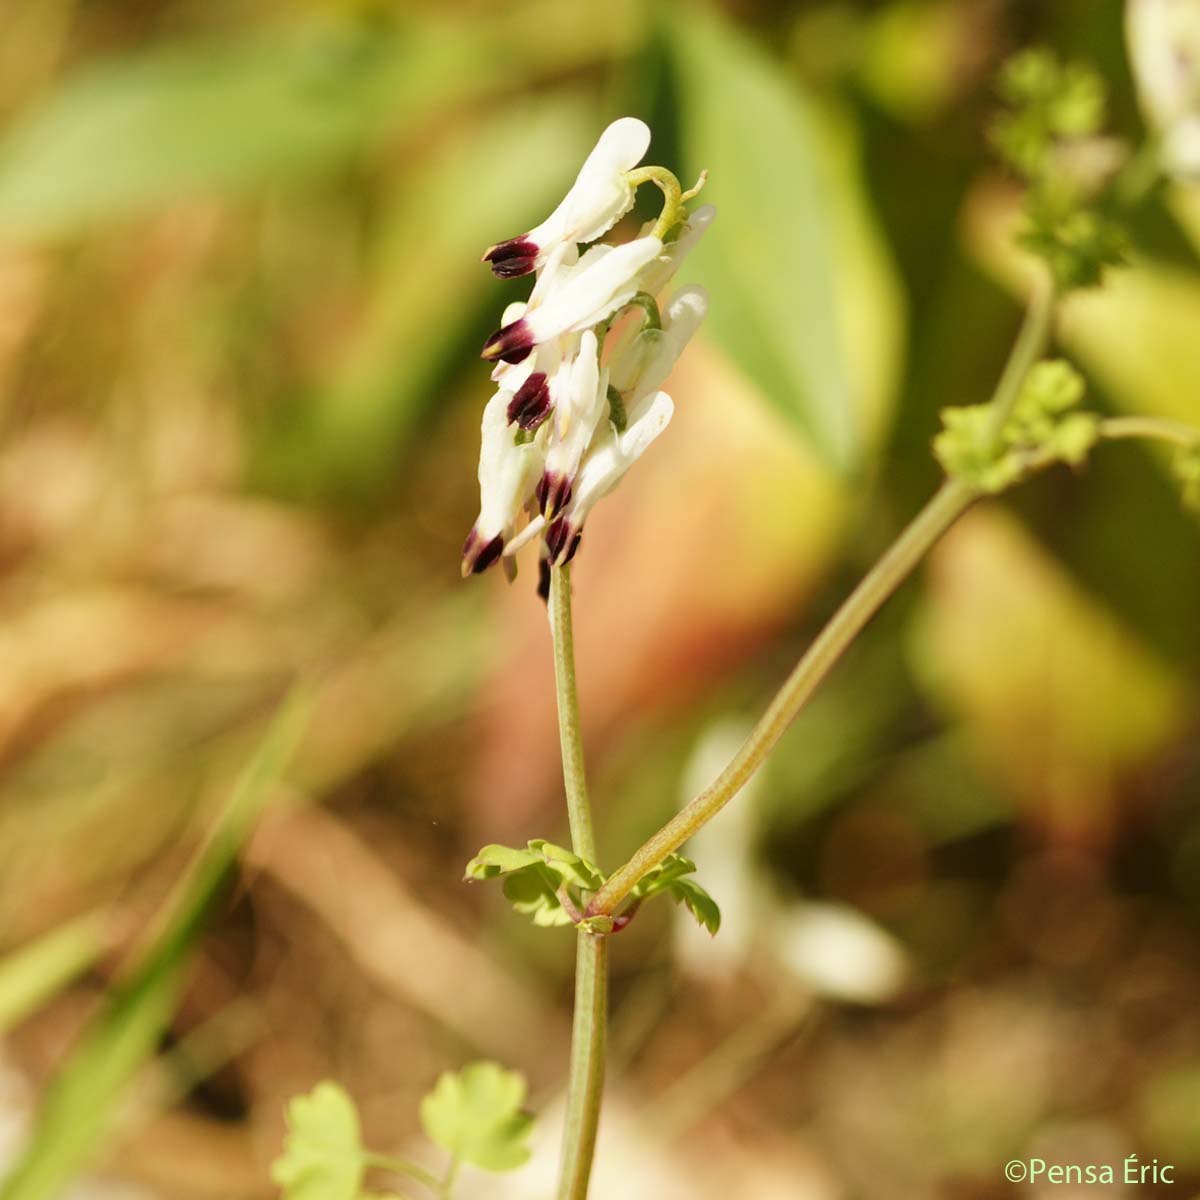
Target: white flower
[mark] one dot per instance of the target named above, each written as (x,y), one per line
(569,299)
(1164,45)
(661,270)
(598,199)
(508,474)
(637,370)
(562,428)
(642,363)
(610,456)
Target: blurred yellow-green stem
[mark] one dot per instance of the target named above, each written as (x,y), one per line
(1154,428)
(947,505)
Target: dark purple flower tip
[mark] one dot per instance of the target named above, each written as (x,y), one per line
(562,540)
(512,343)
(478,555)
(543,587)
(513,258)
(553,494)
(531,405)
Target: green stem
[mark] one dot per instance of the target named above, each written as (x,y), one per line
(398,1166)
(882,580)
(672,191)
(588,1036)
(897,563)
(579,811)
(1160,428)
(1028,348)
(590,1025)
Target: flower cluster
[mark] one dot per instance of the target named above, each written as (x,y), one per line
(1164,43)
(579,365)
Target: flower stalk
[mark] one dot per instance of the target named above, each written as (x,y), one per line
(589,1031)
(898,562)
(579,811)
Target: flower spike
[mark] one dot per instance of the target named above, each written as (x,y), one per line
(598,199)
(562,428)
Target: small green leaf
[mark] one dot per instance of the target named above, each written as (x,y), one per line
(476,1115)
(670,876)
(322,1155)
(533,893)
(496,860)
(698,902)
(1049,101)
(671,868)
(536,879)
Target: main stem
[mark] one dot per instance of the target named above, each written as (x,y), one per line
(947,505)
(579,809)
(589,1028)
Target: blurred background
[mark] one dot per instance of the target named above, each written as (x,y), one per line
(240,312)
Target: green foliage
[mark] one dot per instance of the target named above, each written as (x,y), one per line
(1075,243)
(82,1100)
(345,435)
(323,1157)
(670,876)
(768,260)
(476,1115)
(537,879)
(1043,428)
(1049,136)
(220,117)
(1048,101)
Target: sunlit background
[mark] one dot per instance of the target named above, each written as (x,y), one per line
(240,310)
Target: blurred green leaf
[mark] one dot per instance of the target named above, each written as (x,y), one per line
(476,1114)
(140,130)
(33,974)
(767,260)
(82,1100)
(428,288)
(322,1155)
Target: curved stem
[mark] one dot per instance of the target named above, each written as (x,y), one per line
(399,1166)
(672,191)
(897,563)
(589,1033)
(579,811)
(881,581)
(1159,428)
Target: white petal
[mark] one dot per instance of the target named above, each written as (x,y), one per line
(613,454)
(579,408)
(1181,148)
(643,365)
(1164,46)
(508,473)
(660,272)
(604,278)
(600,195)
